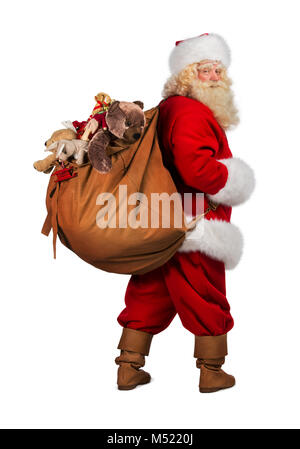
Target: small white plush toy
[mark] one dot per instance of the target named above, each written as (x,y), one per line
(65,149)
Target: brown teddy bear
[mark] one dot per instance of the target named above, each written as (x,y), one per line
(124,121)
(63,145)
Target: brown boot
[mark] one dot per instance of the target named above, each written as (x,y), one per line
(210,352)
(134,346)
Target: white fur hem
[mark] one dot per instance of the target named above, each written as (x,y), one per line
(240,183)
(217,239)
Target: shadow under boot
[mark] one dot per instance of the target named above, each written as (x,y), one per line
(210,352)
(134,345)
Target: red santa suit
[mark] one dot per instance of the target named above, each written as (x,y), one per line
(192,282)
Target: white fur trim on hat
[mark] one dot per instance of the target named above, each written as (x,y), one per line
(196,49)
(217,239)
(240,183)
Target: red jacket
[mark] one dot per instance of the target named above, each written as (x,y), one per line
(192,141)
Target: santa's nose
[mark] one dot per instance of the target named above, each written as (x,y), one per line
(214,76)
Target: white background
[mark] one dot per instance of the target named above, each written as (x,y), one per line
(58,328)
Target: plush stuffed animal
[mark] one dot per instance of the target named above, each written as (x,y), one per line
(124,121)
(46,165)
(63,146)
(96,119)
(75,148)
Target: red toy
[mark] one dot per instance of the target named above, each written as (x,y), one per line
(99,112)
(65,173)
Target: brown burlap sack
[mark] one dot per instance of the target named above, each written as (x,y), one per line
(73,212)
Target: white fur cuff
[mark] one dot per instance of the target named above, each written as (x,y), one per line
(217,239)
(240,183)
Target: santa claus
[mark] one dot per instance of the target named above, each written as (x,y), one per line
(198,107)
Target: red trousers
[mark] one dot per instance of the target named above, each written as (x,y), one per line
(190,284)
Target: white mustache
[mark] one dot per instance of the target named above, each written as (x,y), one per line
(212,84)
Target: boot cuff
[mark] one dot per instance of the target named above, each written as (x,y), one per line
(136,341)
(210,347)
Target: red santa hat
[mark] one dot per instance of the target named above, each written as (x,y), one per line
(196,49)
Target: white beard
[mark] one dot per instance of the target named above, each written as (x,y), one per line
(219,99)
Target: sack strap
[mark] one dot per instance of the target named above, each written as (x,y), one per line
(47,226)
(51,219)
(211,206)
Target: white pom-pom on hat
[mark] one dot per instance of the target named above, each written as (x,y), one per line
(206,46)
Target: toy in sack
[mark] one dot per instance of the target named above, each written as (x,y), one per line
(65,173)
(95,210)
(72,143)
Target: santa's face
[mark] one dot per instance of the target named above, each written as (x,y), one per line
(211,86)
(209,71)
(206,81)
